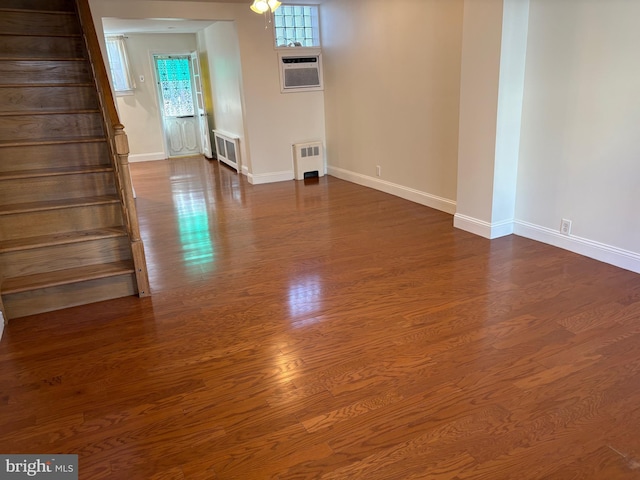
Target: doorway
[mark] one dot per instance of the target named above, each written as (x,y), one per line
(180,97)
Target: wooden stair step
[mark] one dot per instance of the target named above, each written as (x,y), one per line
(34,157)
(56,205)
(33,127)
(56,99)
(51,141)
(63,238)
(5,57)
(50,23)
(53,172)
(45,72)
(46,85)
(64,277)
(39,5)
(45,112)
(40,47)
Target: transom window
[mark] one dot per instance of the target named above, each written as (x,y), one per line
(297,26)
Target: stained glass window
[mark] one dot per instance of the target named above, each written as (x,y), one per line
(175,85)
(297,26)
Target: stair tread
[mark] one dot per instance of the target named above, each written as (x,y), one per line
(56,204)
(24,113)
(30,10)
(53,172)
(45,85)
(47,34)
(4,57)
(60,239)
(51,141)
(65,277)
(36,34)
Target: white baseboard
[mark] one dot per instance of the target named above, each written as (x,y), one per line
(262,178)
(147,157)
(583,246)
(423,198)
(482,228)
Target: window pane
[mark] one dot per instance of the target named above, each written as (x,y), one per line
(301,25)
(175,85)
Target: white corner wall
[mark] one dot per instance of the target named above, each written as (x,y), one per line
(218,44)
(392,85)
(579,152)
(479,95)
(492,85)
(272,121)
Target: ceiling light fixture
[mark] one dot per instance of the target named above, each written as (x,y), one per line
(263,6)
(266,8)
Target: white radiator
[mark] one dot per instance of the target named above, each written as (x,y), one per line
(227,149)
(308,160)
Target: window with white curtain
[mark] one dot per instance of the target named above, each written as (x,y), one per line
(121,77)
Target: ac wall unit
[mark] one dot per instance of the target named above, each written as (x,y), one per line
(300,73)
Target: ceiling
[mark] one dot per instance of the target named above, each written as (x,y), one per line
(172,25)
(153,25)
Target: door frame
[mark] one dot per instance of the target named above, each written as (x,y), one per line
(158,97)
(200,105)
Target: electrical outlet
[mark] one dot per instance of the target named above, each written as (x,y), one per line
(378,170)
(565,227)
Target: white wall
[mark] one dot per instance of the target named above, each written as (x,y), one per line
(479,95)
(392,86)
(139,113)
(219,45)
(272,121)
(579,154)
(494,43)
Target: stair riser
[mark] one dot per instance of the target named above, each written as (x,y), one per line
(45,99)
(61,257)
(43,23)
(59,126)
(49,5)
(64,296)
(47,189)
(41,47)
(50,222)
(45,156)
(30,72)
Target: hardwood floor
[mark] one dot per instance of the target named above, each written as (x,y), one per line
(329,331)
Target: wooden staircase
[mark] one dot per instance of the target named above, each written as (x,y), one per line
(68,226)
